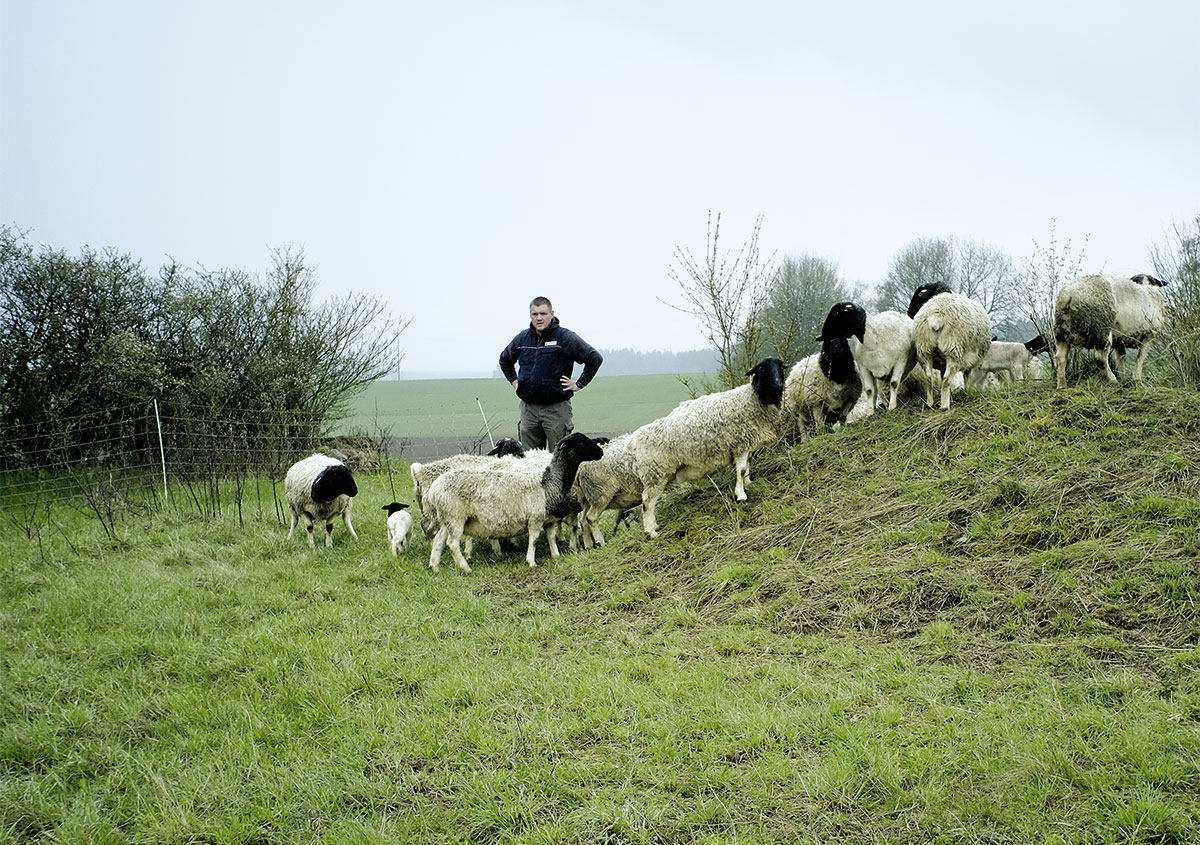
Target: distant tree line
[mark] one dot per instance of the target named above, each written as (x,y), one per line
(89,341)
(630,362)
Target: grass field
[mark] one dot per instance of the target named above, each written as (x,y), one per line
(448,408)
(977,626)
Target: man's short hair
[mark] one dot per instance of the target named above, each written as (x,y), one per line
(541,300)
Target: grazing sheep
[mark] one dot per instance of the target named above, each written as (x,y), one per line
(951,334)
(823,388)
(704,434)
(1103,313)
(1008,361)
(423,475)
(399,526)
(319,488)
(505,499)
(884,354)
(611,483)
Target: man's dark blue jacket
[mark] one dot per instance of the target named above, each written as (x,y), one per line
(544,359)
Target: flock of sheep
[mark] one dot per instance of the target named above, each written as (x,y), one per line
(510,492)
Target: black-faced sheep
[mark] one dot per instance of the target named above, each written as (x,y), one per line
(708,433)
(319,488)
(823,388)
(506,499)
(1103,313)
(951,334)
(399,526)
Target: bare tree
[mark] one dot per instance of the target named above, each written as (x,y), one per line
(797,300)
(924,261)
(1178,263)
(1047,269)
(725,294)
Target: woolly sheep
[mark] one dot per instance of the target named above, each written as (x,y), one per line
(951,334)
(611,483)
(506,499)
(1103,313)
(423,475)
(1008,361)
(705,434)
(319,488)
(884,355)
(824,387)
(399,526)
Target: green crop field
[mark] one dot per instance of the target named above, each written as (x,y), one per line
(972,626)
(447,408)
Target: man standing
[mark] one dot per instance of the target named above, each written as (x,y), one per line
(545,353)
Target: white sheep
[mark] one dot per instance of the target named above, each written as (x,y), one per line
(319,488)
(705,434)
(423,475)
(823,388)
(951,334)
(884,356)
(611,483)
(506,499)
(1008,361)
(399,526)
(1103,313)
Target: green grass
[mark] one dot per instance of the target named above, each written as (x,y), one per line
(448,407)
(972,626)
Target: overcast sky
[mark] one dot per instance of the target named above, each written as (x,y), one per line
(459,158)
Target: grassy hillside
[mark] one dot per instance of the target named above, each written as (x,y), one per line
(971,626)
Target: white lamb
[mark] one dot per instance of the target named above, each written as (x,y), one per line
(399,526)
(708,433)
(884,356)
(823,388)
(319,488)
(1103,313)
(506,499)
(1008,361)
(951,334)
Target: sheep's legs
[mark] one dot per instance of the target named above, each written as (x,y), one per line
(534,530)
(1137,367)
(947,381)
(349,524)
(742,473)
(435,549)
(649,500)
(453,538)
(1061,350)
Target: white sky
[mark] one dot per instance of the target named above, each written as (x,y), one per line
(459,158)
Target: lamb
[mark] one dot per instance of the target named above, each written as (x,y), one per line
(884,352)
(399,526)
(320,487)
(611,483)
(824,387)
(506,499)
(951,334)
(705,434)
(1103,313)
(1008,360)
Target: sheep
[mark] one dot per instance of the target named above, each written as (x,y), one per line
(399,526)
(611,483)
(505,499)
(885,352)
(1008,361)
(951,334)
(423,475)
(824,387)
(319,488)
(1105,313)
(704,434)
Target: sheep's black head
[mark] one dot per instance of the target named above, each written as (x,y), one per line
(507,446)
(1144,279)
(845,319)
(393,507)
(925,293)
(1037,344)
(579,447)
(837,361)
(333,481)
(767,379)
